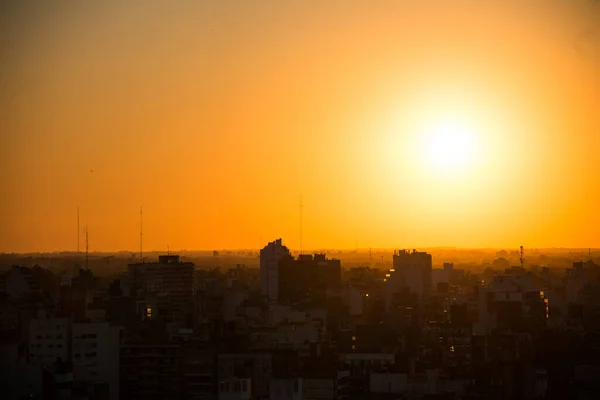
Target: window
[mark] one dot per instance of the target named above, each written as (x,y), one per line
(244,386)
(295,385)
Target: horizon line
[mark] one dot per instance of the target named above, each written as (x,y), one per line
(344,249)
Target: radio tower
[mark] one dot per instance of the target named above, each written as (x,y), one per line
(521,259)
(141,237)
(78,231)
(301,209)
(86,248)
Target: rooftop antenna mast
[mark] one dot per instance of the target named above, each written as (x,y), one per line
(86,248)
(141,237)
(522,259)
(78,253)
(301,215)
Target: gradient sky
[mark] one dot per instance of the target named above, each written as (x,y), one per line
(215,116)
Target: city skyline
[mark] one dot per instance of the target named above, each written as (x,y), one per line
(299,200)
(428,124)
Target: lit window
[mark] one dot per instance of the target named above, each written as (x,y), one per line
(353,338)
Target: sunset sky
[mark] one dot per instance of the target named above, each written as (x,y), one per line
(401,123)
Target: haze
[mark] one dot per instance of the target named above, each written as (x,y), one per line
(447,123)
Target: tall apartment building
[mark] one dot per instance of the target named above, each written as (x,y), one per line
(91,348)
(95,349)
(308,278)
(170,279)
(512,301)
(49,340)
(269,268)
(411,271)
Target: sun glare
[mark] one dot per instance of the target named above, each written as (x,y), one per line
(447,147)
(450,145)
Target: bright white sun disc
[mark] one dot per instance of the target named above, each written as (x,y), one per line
(450,145)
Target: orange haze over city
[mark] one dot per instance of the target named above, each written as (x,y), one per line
(398,123)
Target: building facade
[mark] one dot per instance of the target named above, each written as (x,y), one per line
(412,272)
(269,268)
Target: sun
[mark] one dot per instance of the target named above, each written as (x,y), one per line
(449,145)
(438,147)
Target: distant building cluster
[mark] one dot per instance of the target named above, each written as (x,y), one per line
(302,327)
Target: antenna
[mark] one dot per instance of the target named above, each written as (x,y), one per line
(168,251)
(86,248)
(301,215)
(77,230)
(521,259)
(590,253)
(141,237)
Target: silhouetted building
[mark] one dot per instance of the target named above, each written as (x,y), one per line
(19,283)
(308,278)
(49,340)
(412,271)
(151,371)
(169,281)
(95,355)
(269,268)
(512,302)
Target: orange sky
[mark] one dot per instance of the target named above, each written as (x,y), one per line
(216,116)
